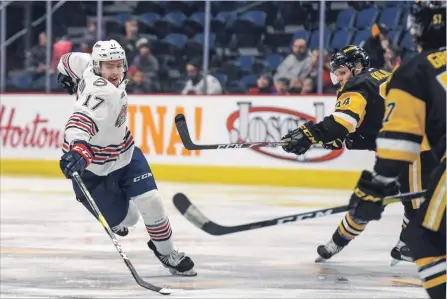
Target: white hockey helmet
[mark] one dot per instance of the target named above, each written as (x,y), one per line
(108,51)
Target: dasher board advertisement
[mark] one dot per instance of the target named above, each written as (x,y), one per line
(32,128)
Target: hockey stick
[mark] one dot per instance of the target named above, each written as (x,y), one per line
(138,279)
(182,128)
(192,213)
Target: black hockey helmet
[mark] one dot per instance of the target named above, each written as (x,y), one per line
(350,56)
(426,23)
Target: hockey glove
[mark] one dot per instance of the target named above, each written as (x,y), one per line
(67,83)
(366,202)
(301,139)
(358,141)
(334,145)
(76,159)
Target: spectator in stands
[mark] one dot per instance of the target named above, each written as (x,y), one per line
(61,47)
(145,61)
(308,86)
(130,40)
(140,84)
(376,45)
(392,58)
(264,85)
(296,64)
(326,68)
(89,38)
(295,86)
(282,86)
(195,84)
(38,57)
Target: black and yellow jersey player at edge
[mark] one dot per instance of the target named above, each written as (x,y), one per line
(356,121)
(415,110)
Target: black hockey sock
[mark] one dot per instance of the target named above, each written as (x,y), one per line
(432,271)
(347,230)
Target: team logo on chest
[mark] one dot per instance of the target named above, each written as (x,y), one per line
(122,116)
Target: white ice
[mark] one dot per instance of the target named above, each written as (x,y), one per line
(51,247)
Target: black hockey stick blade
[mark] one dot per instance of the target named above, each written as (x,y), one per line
(192,213)
(182,129)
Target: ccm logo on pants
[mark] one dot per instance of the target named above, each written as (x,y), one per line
(142,177)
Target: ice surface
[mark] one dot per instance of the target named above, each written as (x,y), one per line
(51,247)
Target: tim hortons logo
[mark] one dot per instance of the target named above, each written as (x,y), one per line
(33,133)
(269,124)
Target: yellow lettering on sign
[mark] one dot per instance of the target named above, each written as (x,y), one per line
(155,123)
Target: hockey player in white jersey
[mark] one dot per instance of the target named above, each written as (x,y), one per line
(99,146)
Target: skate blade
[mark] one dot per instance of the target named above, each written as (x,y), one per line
(189,273)
(320,260)
(394,262)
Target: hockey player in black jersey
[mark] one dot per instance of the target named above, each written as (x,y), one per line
(356,121)
(416,105)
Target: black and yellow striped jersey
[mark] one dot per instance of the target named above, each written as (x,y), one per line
(359,107)
(415,106)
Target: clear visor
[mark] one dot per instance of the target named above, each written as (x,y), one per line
(334,78)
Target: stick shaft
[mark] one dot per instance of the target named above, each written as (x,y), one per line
(117,245)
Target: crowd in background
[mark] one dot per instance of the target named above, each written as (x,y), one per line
(297,73)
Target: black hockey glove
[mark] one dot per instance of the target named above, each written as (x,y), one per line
(67,83)
(366,202)
(334,145)
(301,139)
(358,141)
(77,158)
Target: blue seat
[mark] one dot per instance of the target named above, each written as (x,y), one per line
(407,42)
(246,63)
(23,81)
(173,19)
(395,36)
(253,19)
(273,60)
(222,78)
(314,38)
(249,80)
(149,18)
(196,20)
(236,87)
(303,34)
(341,39)
(346,18)
(367,17)
(390,16)
(121,18)
(174,43)
(361,37)
(199,39)
(403,18)
(223,20)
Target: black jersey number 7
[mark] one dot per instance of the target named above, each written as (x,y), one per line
(92,102)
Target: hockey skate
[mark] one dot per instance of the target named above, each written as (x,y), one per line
(120,230)
(400,252)
(327,251)
(177,262)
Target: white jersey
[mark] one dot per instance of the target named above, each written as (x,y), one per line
(212,85)
(99,118)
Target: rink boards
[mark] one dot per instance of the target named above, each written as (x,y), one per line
(32,133)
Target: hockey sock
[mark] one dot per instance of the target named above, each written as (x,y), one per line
(432,271)
(156,220)
(347,230)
